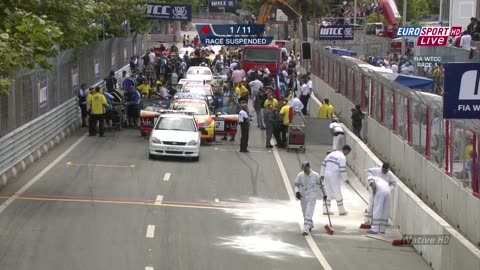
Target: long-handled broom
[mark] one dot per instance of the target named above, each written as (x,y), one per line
(365,226)
(328,229)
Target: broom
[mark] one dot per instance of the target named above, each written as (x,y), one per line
(397,242)
(364,226)
(401,242)
(328,229)
(367,226)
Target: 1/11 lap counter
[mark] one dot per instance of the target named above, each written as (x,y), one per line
(237,41)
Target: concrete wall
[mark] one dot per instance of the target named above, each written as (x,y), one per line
(409,212)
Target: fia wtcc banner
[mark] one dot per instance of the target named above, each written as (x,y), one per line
(336,32)
(169,12)
(222,3)
(461,99)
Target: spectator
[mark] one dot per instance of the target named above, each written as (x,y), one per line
(394,67)
(471,28)
(465,41)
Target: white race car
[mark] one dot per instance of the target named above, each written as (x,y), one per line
(175,134)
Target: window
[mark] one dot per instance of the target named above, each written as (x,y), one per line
(262,55)
(173,123)
(196,108)
(199,72)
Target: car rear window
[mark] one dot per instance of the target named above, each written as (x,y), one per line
(199,72)
(196,108)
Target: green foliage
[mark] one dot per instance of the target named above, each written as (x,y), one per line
(30,29)
(252,5)
(26,40)
(415,8)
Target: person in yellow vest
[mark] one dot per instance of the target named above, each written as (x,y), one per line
(144,89)
(270,101)
(96,104)
(242,92)
(285,115)
(326,110)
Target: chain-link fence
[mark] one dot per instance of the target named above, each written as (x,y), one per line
(37,91)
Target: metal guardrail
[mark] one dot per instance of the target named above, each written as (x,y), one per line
(23,142)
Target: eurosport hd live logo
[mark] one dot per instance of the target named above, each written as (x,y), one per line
(430,36)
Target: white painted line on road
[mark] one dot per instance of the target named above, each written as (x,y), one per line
(148,268)
(166,177)
(159,200)
(288,187)
(150,231)
(40,175)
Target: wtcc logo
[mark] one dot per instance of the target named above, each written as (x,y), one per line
(430,36)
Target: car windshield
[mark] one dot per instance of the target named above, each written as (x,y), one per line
(199,72)
(195,108)
(261,55)
(174,123)
(198,90)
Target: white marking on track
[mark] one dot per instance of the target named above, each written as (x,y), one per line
(37,177)
(166,177)
(313,246)
(148,268)
(159,200)
(150,231)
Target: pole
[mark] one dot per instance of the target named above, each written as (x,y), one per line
(315,20)
(404,23)
(355,12)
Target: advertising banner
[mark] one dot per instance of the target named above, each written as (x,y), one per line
(461,99)
(222,3)
(171,12)
(336,32)
(42,93)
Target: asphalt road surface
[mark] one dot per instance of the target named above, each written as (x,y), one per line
(100,203)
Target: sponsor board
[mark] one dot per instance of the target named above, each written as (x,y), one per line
(461,99)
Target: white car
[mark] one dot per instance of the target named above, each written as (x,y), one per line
(175,135)
(199,73)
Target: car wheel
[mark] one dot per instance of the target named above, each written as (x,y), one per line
(150,156)
(197,158)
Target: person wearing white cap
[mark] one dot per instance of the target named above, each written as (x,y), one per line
(338,134)
(381,204)
(307,184)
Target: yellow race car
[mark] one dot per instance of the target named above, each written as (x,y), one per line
(203,116)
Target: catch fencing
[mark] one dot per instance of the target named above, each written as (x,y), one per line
(37,91)
(436,158)
(414,116)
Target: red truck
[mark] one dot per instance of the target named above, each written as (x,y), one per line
(259,56)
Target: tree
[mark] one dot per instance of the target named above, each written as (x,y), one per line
(309,8)
(415,8)
(32,29)
(26,40)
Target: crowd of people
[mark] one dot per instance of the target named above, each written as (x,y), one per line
(273,99)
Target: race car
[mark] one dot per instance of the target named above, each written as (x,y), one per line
(203,116)
(199,89)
